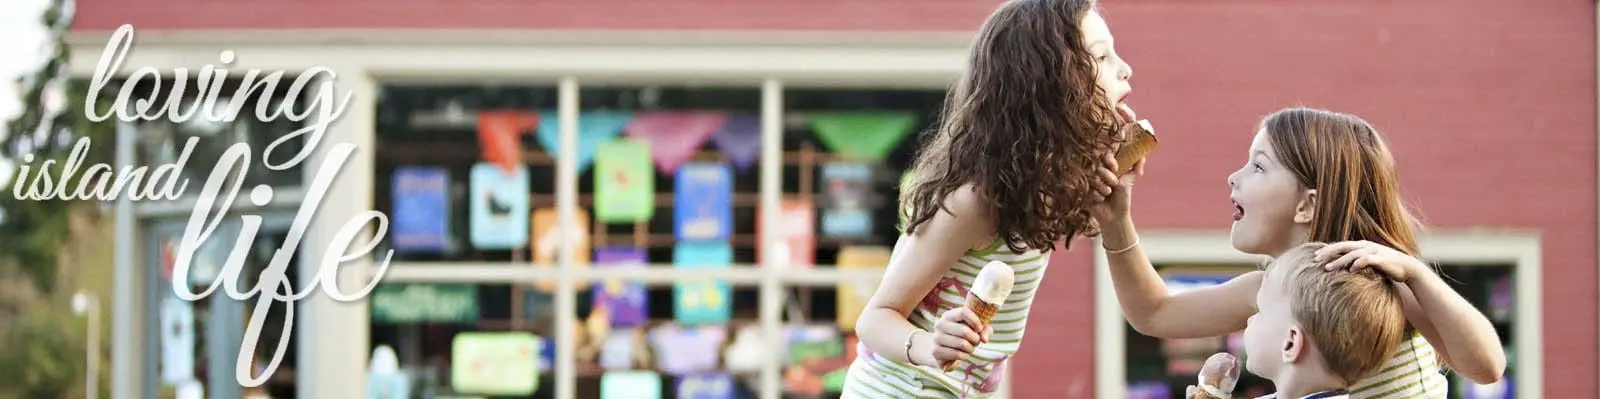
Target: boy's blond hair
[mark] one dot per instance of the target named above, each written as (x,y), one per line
(1354,319)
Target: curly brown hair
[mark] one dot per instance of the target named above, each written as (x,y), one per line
(1026,125)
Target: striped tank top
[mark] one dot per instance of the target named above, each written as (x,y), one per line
(1413,372)
(873,377)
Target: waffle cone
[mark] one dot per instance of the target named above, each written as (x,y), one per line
(984,310)
(1140,142)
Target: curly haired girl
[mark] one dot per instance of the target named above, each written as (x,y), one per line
(1009,173)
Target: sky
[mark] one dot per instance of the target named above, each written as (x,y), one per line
(25,49)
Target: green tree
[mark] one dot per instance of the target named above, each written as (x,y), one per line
(39,334)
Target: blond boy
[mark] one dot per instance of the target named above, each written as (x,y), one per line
(1317,331)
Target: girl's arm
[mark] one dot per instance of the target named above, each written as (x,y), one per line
(1199,313)
(918,262)
(1467,342)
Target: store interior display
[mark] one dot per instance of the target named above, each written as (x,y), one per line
(668,177)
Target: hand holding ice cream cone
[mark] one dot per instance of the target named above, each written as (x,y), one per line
(989,291)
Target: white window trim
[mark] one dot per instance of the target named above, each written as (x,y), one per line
(1521,250)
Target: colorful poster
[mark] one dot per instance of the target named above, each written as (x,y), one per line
(706,386)
(499,207)
(687,350)
(702,301)
(675,136)
(594,128)
(796,230)
(624,301)
(421,209)
(852,297)
(495,363)
(630,385)
(177,340)
(624,182)
(847,195)
(814,352)
(425,303)
(703,202)
(548,239)
(740,140)
(863,136)
(500,136)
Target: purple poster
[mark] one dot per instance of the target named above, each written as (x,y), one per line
(623,301)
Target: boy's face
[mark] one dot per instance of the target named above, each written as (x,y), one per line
(1271,337)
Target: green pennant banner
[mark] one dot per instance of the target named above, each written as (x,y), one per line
(866,136)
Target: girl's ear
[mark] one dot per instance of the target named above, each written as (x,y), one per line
(1306,210)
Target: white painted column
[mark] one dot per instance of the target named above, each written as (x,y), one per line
(333,336)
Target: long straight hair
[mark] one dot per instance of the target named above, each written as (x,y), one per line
(1348,163)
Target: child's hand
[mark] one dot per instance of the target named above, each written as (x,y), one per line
(953,338)
(1355,255)
(1117,189)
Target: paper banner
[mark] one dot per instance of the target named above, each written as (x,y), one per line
(177,340)
(706,386)
(687,350)
(624,182)
(625,301)
(703,202)
(630,385)
(500,136)
(594,128)
(846,195)
(499,207)
(851,299)
(674,136)
(421,209)
(740,140)
(547,242)
(796,232)
(497,363)
(702,301)
(424,303)
(866,136)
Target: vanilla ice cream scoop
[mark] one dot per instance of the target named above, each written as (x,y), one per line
(994,283)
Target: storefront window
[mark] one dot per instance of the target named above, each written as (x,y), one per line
(668,175)
(162,141)
(845,154)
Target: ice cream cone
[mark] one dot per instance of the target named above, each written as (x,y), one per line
(984,310)
(1141,140)
(1218,377)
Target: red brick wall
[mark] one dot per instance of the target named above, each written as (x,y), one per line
(1490,107)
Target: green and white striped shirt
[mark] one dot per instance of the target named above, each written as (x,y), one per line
(1413,372)
(872,376)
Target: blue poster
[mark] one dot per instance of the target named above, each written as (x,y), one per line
(706,386)
(702,301)
(846,199)
(703,202)
(499,207)
(421,209)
